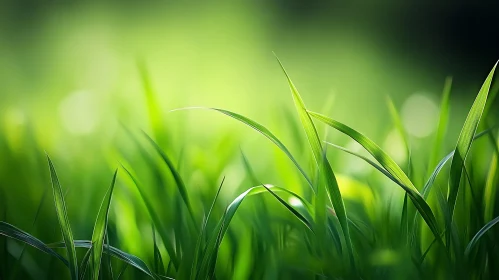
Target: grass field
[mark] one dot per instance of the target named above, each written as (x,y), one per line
(165,201)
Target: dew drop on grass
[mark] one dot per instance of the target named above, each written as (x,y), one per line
(419,115)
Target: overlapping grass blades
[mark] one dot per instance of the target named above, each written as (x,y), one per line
(479,234)
(11,231)
(327,179)
(389,164)
(62,216)
(100,229)
(465,141)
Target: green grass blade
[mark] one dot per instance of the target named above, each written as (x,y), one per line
(85,263)
(390,165)
(100,229)
(155,218)
(490,192)
(158,260)
(327,177)
(178,179)
(264,131)
(442,123)
(479,234)
(11,231)
(153,109)
(115,252)
(62,215)
(466,139)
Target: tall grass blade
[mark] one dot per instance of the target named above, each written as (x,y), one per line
(490,192)
(327,177)
(100,229)
(178,179)
(442,123)
(390,165)
(465,140)
(156,220)
(62,215)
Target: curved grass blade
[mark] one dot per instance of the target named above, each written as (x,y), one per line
(113,251)
(390,165)
(85,263)
(210,254)
(262,130)
(155,218)
(100,229)
(327,177)
(178,179)
(62,215)
(465,141)
(479,234)
(11,231)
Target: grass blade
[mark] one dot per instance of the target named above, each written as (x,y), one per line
(11,231)
(155,218)
(327,177)
(390,165)
(264,131)
(479,235)
(115,252)
(62,215)
(465,140)
(100,229)
(178,179)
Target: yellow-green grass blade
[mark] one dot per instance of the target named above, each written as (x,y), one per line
(465,141)
(389,164)
(62,216)
(100,229)
(262,130)
(490,192)
(479,234)
(11,231)
(176,176)
(155,219)
(327,178)
(443,120)
(113,251)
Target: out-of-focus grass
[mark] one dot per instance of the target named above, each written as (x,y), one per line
(275,210)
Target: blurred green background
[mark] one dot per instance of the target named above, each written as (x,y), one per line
(71,80)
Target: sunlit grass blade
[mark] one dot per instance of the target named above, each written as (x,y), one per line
(369,161)
(264,131)
(115,252)
(442,123)
(479,234)
(158,260)
(326,174)
(291,209)
(176,176)
(389,164)
(100,229)
(491,183)
(62,215)
(465,141)
(397,121)
(156,220)
(11,231)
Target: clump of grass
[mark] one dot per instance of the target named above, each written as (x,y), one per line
(314,233)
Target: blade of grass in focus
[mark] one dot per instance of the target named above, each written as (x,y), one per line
(327,177)
(100,229)
(62,215)
(464,143)
(390,165)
